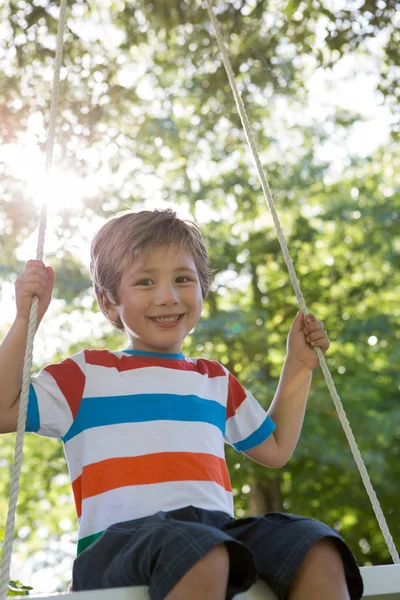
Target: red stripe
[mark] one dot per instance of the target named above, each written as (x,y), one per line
(70,380)
(211,368)
(77,491)
(236,395)
(127,362)
(162,467)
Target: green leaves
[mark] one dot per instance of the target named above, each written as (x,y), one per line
(16,588)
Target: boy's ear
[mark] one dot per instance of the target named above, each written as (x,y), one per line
(108,307)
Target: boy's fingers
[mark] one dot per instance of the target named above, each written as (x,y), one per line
(35,266)
(50,275)
(315,326)
(34,263)
(323,344)
(310,318)
(317,335)
(35,269)
(35,279)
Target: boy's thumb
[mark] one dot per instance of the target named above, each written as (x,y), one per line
(50,274)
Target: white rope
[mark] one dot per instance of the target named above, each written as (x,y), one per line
(18,453)
(296,286)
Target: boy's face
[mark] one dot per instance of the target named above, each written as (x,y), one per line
(159,301)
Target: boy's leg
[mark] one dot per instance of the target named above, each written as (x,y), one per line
(171,553)
(206,580)
(321,575)
(296,555)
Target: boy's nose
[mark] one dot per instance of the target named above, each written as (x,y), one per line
(167,295)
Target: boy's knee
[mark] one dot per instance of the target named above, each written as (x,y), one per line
(216,562)
(325,551)
(208,578)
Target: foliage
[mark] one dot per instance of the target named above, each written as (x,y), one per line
(16,588)
(145,100)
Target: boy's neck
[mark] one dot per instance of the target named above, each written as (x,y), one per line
(146,353)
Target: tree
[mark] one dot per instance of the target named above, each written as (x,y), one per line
(145,100)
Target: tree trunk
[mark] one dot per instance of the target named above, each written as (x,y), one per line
(265,496)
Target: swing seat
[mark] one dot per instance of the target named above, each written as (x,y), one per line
(380,583)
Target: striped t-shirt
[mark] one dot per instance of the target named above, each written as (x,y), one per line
(144,432)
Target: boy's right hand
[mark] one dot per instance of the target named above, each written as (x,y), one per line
(35,280)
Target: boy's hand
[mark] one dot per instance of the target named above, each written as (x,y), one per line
(35,280)
(304,335)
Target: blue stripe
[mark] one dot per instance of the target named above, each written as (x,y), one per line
(32,415)
(139,408)
(179,355)
(257,437)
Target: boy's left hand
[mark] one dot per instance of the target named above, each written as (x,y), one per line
(304,335)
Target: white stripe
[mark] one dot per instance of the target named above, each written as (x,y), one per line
(80,360)
(135,502)
(104,381)
(247,419)
(54,411)
(138,439)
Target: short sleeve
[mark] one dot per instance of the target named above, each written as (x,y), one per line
(247,423)
(55,395)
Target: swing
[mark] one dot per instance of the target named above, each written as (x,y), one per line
(381,582)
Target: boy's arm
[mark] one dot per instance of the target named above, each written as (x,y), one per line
(12,352)
(289,404)
(287,411)
(35,280)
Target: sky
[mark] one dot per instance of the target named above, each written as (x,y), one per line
(350,85)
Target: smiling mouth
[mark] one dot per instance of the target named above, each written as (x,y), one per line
(169,319)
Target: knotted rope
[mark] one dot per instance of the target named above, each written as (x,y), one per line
(296,286)
(18,452)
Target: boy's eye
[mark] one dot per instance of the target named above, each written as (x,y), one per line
(144,282)
(148,282)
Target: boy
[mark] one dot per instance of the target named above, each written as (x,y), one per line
(144,431)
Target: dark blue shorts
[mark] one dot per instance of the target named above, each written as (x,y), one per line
(158,550)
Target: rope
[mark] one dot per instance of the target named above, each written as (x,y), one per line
(16,470)
(296,286)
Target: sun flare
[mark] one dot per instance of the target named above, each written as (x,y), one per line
(59,189)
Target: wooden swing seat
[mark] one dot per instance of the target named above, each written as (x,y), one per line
(381,583)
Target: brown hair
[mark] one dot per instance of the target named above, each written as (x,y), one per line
(131,236)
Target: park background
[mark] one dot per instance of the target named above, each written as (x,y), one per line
(147,120)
